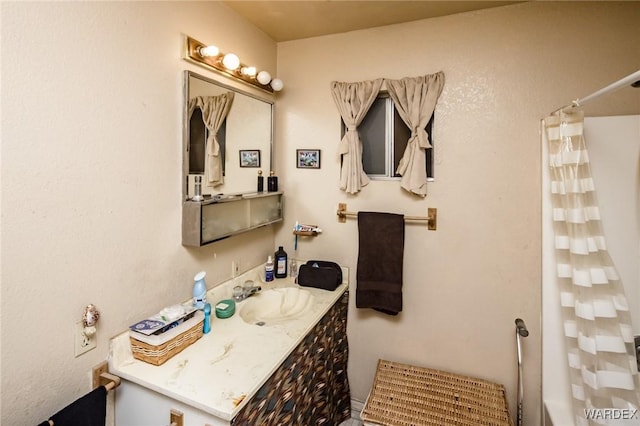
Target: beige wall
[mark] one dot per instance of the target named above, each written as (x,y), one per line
(91,181)
(465,283)
(88,89)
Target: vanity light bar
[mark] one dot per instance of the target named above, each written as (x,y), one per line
(192,53)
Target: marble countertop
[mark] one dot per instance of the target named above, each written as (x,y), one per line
(220,372)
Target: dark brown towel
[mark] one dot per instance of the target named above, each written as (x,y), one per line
(379,274)
(90,410)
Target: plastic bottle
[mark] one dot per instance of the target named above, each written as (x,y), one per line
(199,290)
(260,181)
(281,263)
(206,328)
(293,268)
(198,189)
(268,270)
(272,182)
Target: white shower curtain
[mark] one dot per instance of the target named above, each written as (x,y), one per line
(597,323)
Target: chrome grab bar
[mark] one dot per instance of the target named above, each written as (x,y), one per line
(521,331)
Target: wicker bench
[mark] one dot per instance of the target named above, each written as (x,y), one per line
(404,395)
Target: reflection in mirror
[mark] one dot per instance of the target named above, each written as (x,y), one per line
(208,113)
(219,122)
(197,137)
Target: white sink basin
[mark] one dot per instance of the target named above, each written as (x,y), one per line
(276,305)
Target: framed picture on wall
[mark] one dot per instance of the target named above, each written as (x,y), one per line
(308,158)
(249,158)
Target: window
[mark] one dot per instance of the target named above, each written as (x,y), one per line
(384,138)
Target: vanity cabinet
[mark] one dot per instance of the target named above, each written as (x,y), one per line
(204,222)
(138,406)
(309,387)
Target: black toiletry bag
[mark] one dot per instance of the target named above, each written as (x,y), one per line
(320,274)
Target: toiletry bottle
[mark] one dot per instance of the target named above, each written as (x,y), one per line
(207,318)
(199,290)
(272,182)
(281,263)
(293,268)
(268,270)
(198,189)
(260,181)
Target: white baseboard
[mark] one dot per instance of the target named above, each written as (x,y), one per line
(356,408)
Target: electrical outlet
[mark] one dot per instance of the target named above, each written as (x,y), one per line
(234,268)
(83,343)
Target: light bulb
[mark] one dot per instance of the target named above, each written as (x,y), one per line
(264,77)
(231,61)
(205,51)
(250,71)
(276,84)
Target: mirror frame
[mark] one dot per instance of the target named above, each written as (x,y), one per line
(187,74)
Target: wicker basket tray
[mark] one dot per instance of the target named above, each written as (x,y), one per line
(403,395)
(159,354)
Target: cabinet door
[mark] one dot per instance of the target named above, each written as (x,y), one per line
(138,406)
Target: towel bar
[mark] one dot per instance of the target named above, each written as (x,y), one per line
(101,377)
(431,218)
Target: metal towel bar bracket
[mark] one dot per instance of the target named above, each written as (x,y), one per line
(431,218)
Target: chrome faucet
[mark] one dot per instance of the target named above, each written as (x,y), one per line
(247,290)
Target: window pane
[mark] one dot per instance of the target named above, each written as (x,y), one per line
(197,136)
(384,139)
(430,151)
(222,141)
(372,134)
(401,135)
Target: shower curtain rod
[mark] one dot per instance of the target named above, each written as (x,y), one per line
(626,81)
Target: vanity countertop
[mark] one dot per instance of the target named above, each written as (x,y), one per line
(220,372)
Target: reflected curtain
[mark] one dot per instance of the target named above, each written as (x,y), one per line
(415,100)
(214,111)
(353,100)
(597,322)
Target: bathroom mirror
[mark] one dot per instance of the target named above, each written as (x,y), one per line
(244,136)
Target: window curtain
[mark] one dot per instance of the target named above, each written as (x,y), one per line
(415,100)
(214,111)
(596,319)
(353,100)
(193,104)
